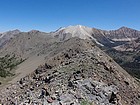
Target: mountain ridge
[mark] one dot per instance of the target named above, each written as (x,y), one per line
(68,67)
(100,37)
(75,70)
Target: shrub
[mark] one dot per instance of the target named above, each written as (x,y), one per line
(8,63)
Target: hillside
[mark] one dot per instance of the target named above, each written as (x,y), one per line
(124,34)
(26,44)
(128,56)
(75,72)
(67,67)
(4,37)
(121,44)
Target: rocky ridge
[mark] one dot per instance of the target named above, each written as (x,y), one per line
(75,70)
(72,74)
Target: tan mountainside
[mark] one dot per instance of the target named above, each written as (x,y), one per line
(26,44)
(4,37)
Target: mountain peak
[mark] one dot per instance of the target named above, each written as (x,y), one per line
(17,30)
(79,26)
(80,31)
(34,31)
(70,26)
(125,28)
(12,32)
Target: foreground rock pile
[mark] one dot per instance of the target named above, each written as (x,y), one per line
(72,76)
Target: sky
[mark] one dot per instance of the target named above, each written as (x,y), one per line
(49,15)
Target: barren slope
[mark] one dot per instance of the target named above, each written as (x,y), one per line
(75,71)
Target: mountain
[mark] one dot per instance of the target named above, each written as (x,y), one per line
(124,34)
(121,44)
(74,31)
(68,67)
(75,72)
(133,46)
(26,44)
(128,56)
(4,37)
(127,52)
(101,37)
(82,32)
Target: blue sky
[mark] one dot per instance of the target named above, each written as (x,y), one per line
(49,15)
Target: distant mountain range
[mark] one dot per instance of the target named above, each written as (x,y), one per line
(101,37)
